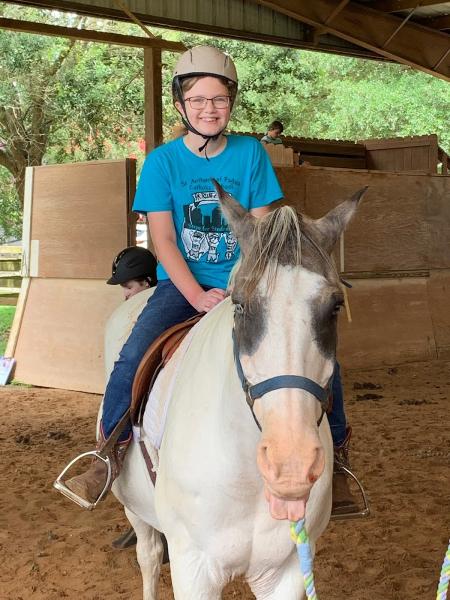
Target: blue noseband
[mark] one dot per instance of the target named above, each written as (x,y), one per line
(253,392)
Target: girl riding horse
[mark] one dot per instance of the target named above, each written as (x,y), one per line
(196,249)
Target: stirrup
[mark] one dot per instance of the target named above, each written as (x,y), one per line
(365,512)
(60,485)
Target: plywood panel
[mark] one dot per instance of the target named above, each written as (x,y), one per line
(79,217)
(438,286)
(60,342)
(417,153)
(293,184)
(280,155)
(403,222)
(437,215)
(391,324)
(389,231)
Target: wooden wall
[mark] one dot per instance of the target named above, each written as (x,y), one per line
(417,153)
(79,217)
(60,341)
(76,219)
(396,253)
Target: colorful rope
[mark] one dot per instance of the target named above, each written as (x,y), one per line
(301,539)
(445,576)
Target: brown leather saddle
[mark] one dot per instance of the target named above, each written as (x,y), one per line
(157,356)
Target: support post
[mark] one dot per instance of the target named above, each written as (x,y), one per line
(153,98)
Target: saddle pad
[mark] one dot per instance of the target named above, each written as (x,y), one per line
(157,356)
(155,414)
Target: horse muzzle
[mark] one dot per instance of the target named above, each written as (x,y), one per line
(284,508)
(289,477)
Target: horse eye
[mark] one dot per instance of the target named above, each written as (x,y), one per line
(337,307)
(239,309)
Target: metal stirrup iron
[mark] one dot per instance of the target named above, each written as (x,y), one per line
(365,512)
(102,454)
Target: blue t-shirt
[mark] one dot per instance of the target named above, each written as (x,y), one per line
(174,179)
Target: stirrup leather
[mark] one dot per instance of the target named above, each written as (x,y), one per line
(365,512)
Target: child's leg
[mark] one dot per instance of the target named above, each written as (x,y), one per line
(336,418)
(344,502)
(165,308)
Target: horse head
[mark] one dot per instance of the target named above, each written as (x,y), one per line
(287,294)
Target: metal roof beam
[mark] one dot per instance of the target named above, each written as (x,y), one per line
(440,23)
(89,35)
(255,34)
(413,45)
(391,6)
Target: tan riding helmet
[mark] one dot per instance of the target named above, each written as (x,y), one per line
(205,60)
(197,62)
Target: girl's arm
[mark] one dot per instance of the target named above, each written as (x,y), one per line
(260,211)
(163,235)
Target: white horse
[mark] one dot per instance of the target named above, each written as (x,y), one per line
(224,487)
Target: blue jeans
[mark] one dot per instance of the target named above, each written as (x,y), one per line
(337,419)
(166,307)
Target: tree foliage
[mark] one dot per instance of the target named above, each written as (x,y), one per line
(62,100)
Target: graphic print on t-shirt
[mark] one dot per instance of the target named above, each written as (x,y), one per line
(205,232)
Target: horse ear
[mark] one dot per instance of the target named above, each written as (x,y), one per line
(239,219)
(336,220)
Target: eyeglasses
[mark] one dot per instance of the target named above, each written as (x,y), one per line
(199,102)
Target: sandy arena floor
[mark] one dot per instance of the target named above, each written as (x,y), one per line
(51,549)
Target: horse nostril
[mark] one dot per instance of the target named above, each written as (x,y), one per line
(317,467)
(266,463)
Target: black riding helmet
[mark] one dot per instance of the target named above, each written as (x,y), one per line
(133,263)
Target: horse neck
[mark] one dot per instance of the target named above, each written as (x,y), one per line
(208,401)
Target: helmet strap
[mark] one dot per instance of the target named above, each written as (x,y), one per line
(185,120)
(207,138)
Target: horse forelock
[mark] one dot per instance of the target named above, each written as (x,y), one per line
(281,238)
(276,240)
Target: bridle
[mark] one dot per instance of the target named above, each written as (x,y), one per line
(257,390)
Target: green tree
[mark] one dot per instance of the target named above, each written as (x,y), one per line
(369,99)
(10,209)
(62,100)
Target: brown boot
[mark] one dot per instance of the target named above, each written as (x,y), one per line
(90,484)
(344,502)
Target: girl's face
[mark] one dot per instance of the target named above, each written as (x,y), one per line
(133,287)
(208,120)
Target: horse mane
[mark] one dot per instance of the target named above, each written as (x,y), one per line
(276,240)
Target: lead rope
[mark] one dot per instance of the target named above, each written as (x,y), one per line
(445,576)
(301,539)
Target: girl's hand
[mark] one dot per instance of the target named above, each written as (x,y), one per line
(205,301)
